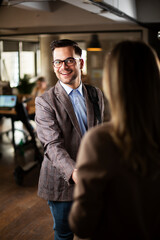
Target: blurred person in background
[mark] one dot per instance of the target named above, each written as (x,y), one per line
(40,88)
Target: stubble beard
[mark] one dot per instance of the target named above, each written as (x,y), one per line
(72,80)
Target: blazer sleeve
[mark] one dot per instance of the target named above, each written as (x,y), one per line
(87,209)
(50,135)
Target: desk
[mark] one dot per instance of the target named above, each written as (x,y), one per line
(15,115)
(8,112)
(11,112)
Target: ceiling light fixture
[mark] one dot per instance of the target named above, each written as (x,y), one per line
(94,44)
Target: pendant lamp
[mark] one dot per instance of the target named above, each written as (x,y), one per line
(94,44)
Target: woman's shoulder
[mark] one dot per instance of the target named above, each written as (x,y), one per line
(100,131)
(100,137)
(99,145)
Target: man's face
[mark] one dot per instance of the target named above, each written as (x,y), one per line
(70,75)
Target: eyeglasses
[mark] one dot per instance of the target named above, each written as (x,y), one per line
(68,61)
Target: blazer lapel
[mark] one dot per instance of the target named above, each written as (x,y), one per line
(90,111)
(65,101)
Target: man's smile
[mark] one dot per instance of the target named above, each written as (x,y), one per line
(66,73)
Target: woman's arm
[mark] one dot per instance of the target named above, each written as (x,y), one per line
(87,209)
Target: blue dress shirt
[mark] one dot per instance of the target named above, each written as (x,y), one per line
(79,106)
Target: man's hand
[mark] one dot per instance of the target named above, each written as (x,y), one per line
(74,175)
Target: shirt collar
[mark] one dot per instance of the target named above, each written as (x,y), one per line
(69,89)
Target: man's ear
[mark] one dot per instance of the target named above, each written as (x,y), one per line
(81,63)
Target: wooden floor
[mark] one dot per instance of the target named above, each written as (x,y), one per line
(23,215)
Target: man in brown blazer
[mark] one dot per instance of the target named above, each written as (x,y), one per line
(63,114)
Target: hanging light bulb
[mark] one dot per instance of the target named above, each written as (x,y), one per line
(94,44)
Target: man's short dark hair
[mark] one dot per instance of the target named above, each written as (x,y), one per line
(66,43)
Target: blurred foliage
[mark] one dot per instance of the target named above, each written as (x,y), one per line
(25,87)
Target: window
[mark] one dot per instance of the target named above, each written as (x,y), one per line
(19,59)
(10,68)
(27,63)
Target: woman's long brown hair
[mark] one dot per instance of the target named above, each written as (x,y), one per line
(131,82)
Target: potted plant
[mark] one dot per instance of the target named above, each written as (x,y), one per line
(25,87)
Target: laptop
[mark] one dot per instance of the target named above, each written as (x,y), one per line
(7,102)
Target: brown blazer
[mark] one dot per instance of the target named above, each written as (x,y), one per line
(59,132)
(111,201)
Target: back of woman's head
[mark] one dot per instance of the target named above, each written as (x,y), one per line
(132,84)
